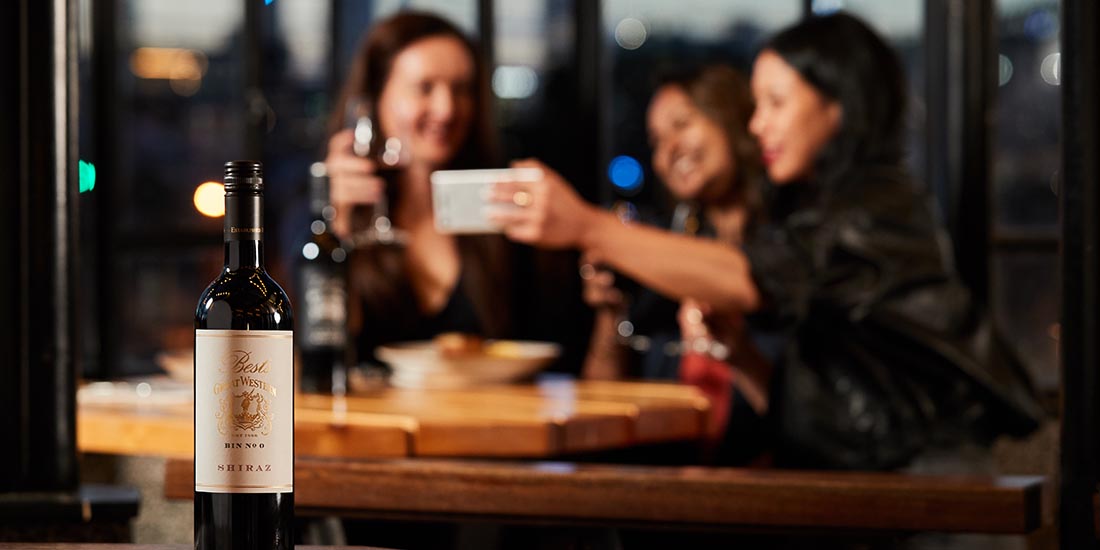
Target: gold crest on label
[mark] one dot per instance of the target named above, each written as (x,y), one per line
(248,411)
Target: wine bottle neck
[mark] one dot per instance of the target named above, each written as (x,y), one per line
(244,254)
(244,230)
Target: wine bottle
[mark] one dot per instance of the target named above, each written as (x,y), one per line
(322,287)
(244,387)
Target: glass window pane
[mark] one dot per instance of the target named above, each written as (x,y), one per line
(534,83)
(178,94)
(180,89)
(1026,150)
(1027,309)
(460,12)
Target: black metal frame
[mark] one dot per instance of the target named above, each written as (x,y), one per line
(41,247)
(106,136)
(1080,335)
(13,463)
(960,83)
(591,94)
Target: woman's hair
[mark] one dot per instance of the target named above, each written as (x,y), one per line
(847,62)
(381,281)
(723,95)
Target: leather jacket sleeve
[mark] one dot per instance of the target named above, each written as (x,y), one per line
(887,353)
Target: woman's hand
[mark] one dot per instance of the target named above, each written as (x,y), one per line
(546,213)
(701,326)
(352,181)
(699,322)
(692,319)
(599,290)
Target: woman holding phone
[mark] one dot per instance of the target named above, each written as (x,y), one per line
(423,85)
(888,359)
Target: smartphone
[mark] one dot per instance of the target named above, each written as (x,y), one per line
(460,197)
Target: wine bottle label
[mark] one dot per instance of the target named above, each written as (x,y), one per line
(324,310)
(244,411)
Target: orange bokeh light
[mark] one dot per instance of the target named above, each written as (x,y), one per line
(210,199)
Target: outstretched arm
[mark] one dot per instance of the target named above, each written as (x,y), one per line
(550,214)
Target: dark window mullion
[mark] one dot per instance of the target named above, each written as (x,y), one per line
(1080,213)
(960,82)
(256,106)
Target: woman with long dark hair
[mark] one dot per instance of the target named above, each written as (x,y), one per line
(891,356)
(424,83)
(881,354)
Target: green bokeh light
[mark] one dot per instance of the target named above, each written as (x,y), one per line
(87,176)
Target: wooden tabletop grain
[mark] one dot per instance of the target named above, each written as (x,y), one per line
(534,421)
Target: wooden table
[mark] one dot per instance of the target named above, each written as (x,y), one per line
(534,421)
(657,497)
(80,546)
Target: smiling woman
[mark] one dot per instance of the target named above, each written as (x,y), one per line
(702,152)
(425,87)
(705,157)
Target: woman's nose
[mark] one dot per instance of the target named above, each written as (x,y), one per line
(442,104)
(756,123)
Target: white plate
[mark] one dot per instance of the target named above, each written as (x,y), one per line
(419,364)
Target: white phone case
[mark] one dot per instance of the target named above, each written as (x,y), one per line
(460,198)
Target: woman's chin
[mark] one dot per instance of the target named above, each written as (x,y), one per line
(780,176)
(437,156)
(685,191)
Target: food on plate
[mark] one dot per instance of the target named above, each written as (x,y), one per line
(457,344)
(505,349)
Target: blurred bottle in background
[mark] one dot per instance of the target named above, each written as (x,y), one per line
(322,283)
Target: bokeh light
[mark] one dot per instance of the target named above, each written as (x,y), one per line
(182,68)
(210,199)
(1041,24)
(310,251)
(87,176)
(1051,70)
(514,82)
(1004,70)
(630,33)
(625,173)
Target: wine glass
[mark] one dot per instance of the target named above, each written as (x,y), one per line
(390,155)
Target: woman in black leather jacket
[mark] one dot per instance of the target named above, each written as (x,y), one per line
(862,349)
(888,355)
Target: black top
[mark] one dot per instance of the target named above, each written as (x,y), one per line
(385,327)
(654,347)
(654,318)
(887,353)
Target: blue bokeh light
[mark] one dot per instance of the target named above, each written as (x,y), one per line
(625,173)
(1041,25)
